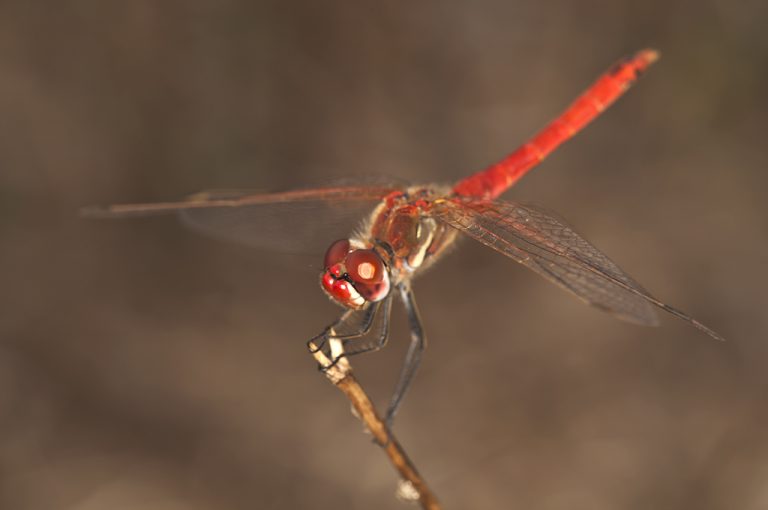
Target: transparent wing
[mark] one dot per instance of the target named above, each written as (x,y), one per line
(552,249)
(300,221)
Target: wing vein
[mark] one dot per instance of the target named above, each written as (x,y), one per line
(556,252)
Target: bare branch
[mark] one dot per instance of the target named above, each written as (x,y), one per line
(341,376)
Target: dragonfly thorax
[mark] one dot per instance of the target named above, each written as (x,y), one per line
(404,222)
(354,276)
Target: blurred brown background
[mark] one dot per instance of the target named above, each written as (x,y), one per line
(143,366)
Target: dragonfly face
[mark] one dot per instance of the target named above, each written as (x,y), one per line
(353,276)
(400,238)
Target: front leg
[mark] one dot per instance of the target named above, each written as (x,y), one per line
(381,336)
(383,312)
(318,342)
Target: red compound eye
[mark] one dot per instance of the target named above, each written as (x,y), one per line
(369,274)
(336,252)
(365,266)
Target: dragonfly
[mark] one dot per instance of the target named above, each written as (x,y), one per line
(410,228)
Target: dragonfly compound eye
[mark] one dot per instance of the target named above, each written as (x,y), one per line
(365,266)
(335,281)
(336,253)
(369,274)
(354,278)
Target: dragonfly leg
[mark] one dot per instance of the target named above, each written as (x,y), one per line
(382,335)
(412,357)
(318,342)
(368,320)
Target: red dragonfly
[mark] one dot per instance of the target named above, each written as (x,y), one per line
(411,228)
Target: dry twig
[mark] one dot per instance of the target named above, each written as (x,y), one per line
(341,376)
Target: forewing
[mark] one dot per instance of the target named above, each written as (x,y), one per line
(300,221)
(555,251)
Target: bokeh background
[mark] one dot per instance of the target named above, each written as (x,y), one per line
(143,366)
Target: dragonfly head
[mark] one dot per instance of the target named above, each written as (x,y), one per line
(354,277)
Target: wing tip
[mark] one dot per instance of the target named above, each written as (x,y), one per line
(132,210)
(709,332)
(94,211)
(648,319)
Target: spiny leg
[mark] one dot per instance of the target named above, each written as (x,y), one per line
(381,336)
(412,357)
(370,313)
